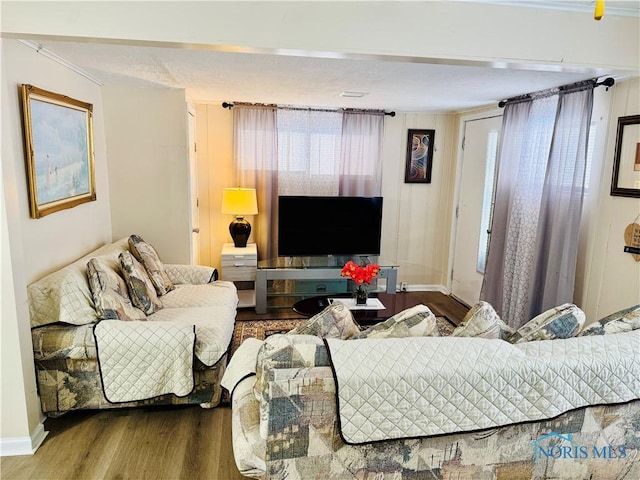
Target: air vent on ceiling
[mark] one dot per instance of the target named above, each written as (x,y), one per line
(352,94)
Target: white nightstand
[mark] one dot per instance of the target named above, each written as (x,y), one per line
(240,265)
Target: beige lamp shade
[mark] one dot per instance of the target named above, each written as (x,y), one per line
(239,201)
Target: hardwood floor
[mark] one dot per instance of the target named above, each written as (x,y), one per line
(155,443)
(160,443)
(443,305)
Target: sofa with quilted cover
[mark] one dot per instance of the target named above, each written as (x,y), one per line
(64,316)
(545,408)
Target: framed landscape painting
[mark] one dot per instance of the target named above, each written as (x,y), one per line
(58,138)
(419,156)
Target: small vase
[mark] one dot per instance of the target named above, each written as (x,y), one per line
(361,295)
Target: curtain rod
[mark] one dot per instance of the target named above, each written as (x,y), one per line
(230,105)
(607,82)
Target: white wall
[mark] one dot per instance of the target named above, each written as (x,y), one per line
(612,277)
(18,402)
(38,247)
(146,130)
(417,217)
(56,239)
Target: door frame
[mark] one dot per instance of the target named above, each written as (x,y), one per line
(192,156)
(464,118)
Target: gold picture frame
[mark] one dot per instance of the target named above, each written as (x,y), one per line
(626,162)
(58,136)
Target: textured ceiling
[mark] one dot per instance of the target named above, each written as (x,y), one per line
(210,76)
(401,84)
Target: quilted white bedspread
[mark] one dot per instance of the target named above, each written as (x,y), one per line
(141,360)
(414,387)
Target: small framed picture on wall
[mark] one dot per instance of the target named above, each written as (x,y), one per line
(419,156)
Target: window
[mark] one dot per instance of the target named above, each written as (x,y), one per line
(309,141)
(487,199)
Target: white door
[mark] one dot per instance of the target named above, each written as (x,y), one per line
(193,187)
(475,202)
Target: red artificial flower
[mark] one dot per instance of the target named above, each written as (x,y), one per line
(359,274)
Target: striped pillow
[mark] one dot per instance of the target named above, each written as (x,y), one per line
(148,256)
(143,294)
(110,295)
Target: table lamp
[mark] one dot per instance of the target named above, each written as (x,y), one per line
(239,202)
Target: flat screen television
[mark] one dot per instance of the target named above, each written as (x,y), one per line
(315,226)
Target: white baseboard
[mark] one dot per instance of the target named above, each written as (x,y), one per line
(23,445)
(428,288)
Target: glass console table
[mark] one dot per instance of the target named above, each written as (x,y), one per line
(314,268)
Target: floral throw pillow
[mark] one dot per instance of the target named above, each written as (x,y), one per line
(148,256)
(143,294)
(335,321)
(482,321)
(623,321)
(564,321)
(416,321)
(109,292)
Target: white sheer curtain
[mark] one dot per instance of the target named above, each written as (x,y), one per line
(538,204)
(361,154)
(255,145)
(303,152)
(561,206)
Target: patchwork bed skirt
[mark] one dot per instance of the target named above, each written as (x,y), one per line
(73,384)
(304,442)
